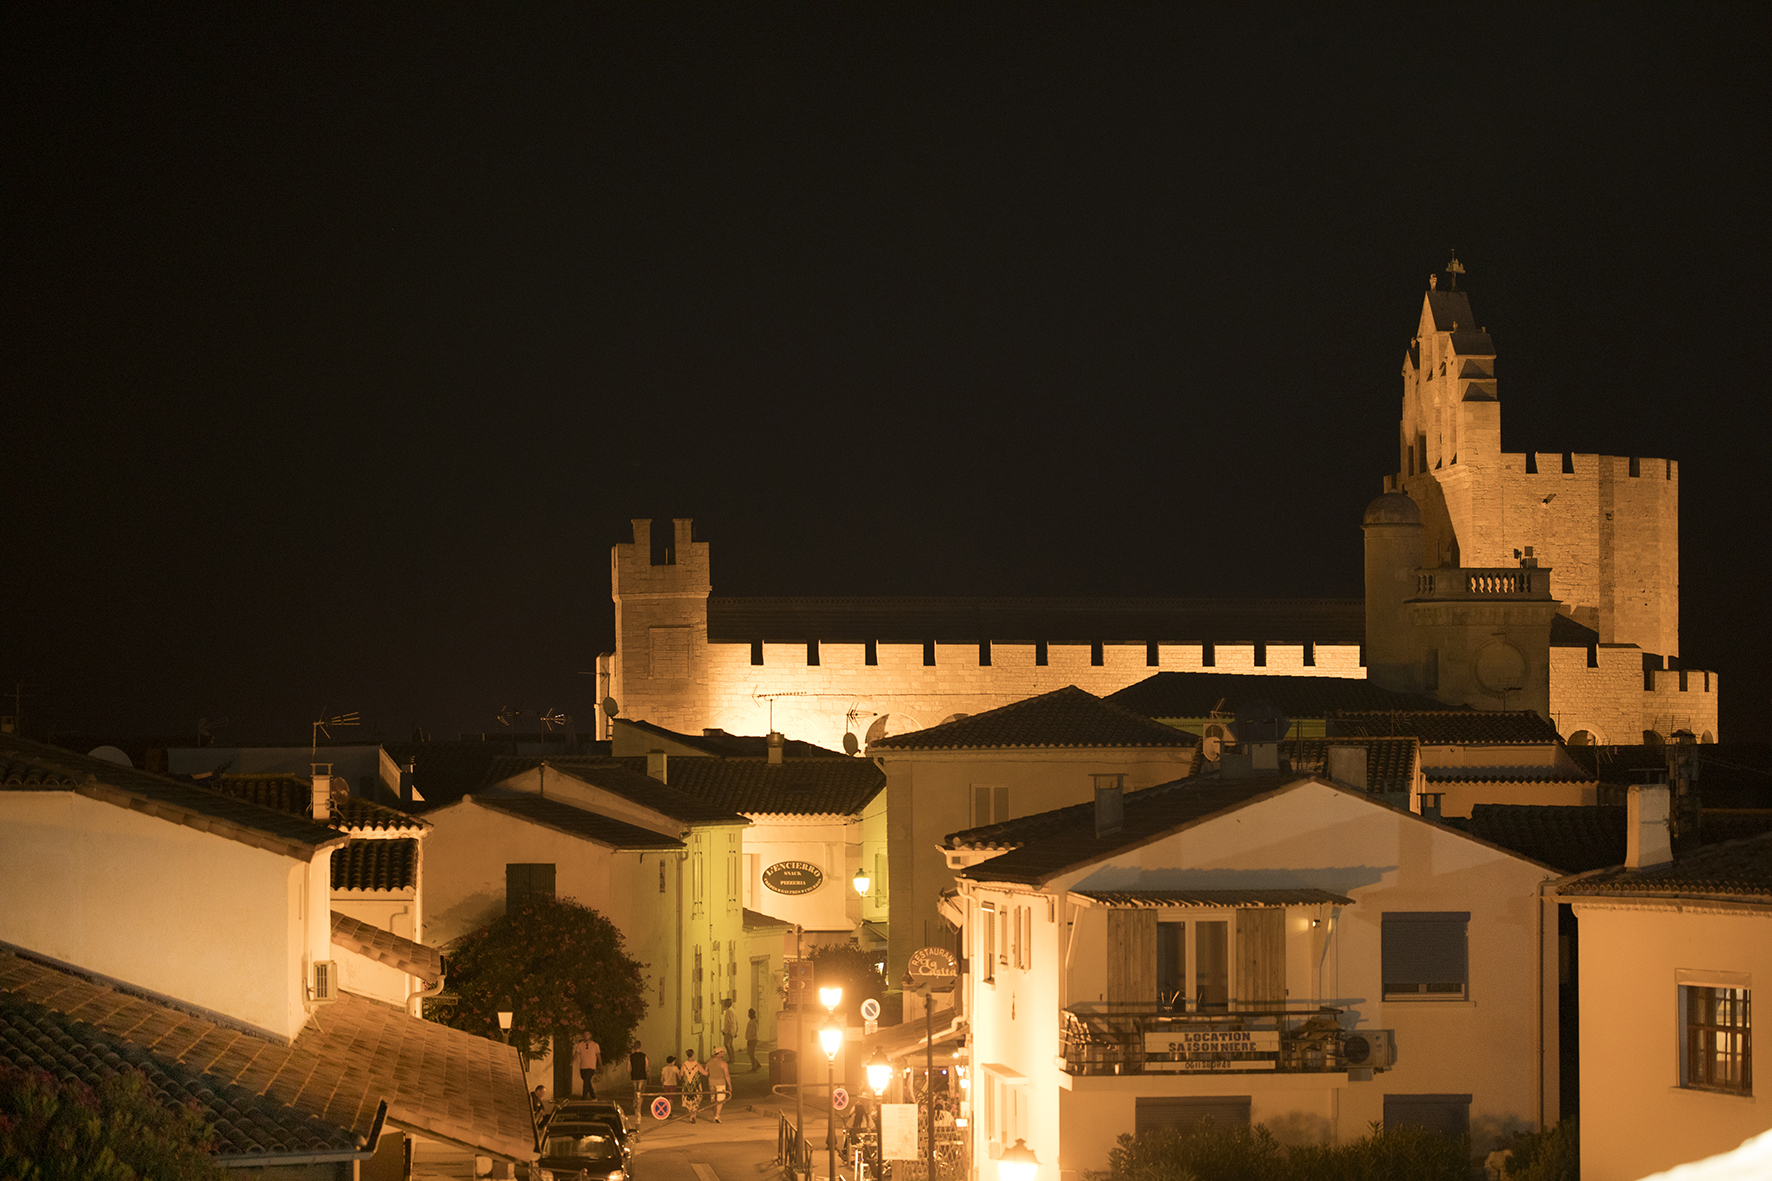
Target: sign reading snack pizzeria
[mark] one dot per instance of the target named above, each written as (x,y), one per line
(793,877)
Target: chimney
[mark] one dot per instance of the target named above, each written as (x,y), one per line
(1646,838)
(775,743)
(1347,764)
(320,793)
(1110,804)
(656,761)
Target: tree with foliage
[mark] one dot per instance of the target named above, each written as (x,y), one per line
(120,1130)
(561,969)
(851,969)
(1550,1155)
(1241,1153)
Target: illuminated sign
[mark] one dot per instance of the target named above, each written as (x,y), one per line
(793,877)
(1198,1051)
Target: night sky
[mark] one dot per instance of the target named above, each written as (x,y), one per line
(339,344)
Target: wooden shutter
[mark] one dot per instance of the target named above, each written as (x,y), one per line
(1132,956)
(1261,956)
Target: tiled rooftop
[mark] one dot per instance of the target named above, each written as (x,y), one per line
(577,821)
(1151,899)
(415,959)
(1547,776)
(1390,762)
(1067,717)
(963,620)
(1735,871)
(376,863)
(354,1055)
(797,786)
(720,744)
(1199,695)
(293,794)
(34,766)
(444,772)
(1570,837)
(1446,727)
(619,777)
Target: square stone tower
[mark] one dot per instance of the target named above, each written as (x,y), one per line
(659,672)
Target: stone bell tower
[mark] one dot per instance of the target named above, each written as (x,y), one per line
(659,671)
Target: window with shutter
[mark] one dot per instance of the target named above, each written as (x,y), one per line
(990,804)
(1183,1112)
(1171,962)
(1448,1114)
(524,880)
(1212,972)
(1425,954)
(1132,956)
(1261,956)
(987,940)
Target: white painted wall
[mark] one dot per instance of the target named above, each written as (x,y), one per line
(192,916)
(1637,1118)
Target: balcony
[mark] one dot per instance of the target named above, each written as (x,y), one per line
(1121,1039)
(1483,582)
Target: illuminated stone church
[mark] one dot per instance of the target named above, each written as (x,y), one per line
(1540,580)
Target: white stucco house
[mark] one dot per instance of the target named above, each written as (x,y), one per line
(1672,951)
(1278,949)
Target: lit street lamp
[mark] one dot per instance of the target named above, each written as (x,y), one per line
(830,1038)
(861,882)
(830,997)
(1018,1163)
(504,1023)
(879,1070)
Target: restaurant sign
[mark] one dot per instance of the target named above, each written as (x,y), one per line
(793,877)
(1204,1050)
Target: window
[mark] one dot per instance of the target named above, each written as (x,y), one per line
(1015,913)
(984,654)
(1096,656)
(811,653)
(1718,1050)
(990,804)
(1447,1114)
(928,653)
(661,877)
(1151,1112)
(756,651)
(1171,962)
(1212,965)
(1425,954)
(987,940)
(1151,655)
(1040,653)
(1208,655)
(870,653)
(525,881)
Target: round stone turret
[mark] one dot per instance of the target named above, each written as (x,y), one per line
(1393,508)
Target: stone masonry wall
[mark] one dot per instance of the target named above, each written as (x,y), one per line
(1610,703)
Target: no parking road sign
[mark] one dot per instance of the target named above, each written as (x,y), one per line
(840,1099)
(870,1010)
(661,1108)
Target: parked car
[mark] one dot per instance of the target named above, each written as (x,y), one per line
(573,1149)
(604,1109)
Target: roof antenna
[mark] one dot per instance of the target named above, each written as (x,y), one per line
(1455,269)
(350,719)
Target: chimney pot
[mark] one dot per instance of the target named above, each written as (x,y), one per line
(1648,840)
(775,743)
(320,792)
(1110,804)
(657,765)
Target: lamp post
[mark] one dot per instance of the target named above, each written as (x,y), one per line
(1018,1163)
(831,1038)
(879,1076)
(922,990)
(504,1022)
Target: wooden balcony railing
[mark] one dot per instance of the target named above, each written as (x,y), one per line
(1108,1039)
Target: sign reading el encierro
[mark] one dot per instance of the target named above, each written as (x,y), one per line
(1199,1050)
(793,877)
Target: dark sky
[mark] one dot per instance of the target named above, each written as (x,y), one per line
(340,344)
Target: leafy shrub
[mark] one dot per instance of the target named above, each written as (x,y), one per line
(853,970)
(1551,1155)
(52,1130)
(1206,1152)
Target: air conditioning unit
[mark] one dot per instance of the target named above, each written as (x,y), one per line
(1376,1048)
(323,982)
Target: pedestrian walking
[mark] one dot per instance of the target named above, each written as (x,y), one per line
(588,1057)
(694,1084)
(670,1079)
(728,1027)
(750,1039)
(639,1070)
(719,1081)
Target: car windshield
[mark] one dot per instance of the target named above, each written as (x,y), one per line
(579,1143)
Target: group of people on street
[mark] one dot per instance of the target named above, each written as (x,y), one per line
(688,1083)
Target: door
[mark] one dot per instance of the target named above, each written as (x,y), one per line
(1212,965)
(1261,957)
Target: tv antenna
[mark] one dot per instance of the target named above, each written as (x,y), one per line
(321,723)
(508,716)
(1455,269)
(549,718)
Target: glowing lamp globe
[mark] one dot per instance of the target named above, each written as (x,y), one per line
(861,882)
(879,1071)
(831,997)
(1018,1163)
(504,1019)
(831,1039)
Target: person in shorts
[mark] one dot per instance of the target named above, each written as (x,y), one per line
(719,1081)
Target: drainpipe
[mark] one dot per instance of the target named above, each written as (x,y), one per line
(413,1007)
(682,961)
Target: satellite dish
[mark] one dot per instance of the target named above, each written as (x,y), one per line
(610,709)
(851,744)
(111,754)
(1212,748)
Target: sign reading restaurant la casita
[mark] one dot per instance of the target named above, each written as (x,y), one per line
(793,877)
(1201,1050)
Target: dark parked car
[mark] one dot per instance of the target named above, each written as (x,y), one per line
(573,1149)
(604,1109)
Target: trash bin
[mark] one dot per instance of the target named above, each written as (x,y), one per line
(784,1067)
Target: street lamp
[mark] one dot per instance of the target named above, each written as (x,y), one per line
(830,997)
(830,1038)
(879,1070)
(1018,1163)
(504,1023)
(909,984)
(861,882)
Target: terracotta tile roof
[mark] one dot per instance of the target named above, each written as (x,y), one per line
(719,744)
(1734,871)
(797,786)
(376,863)
(415,959)
(756,918)
(293,794)
(1390,762)
(1150,899)
(1199,695)
(34,1035)
(618,776)
(35,766)
(1067,717)
(962,620)
(1571,838)
(444,772)
(359,1053)
(1548,776)
(577,821)
(1446,727)
(1047,844)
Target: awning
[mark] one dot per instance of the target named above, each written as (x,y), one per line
(907,1040)
(1209,898)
